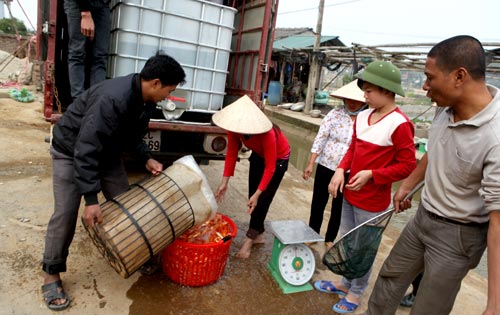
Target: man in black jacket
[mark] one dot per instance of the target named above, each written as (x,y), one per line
(107,120)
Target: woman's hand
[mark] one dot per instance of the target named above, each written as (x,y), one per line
(310,165)
(359,180)
(252,202)
(307,172)
(336,183)
(221,191)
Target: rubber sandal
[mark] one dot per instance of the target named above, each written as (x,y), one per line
(151,267)
(327,287)
(348,306)
(51,293)
(407,300)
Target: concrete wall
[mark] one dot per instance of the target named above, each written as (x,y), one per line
(10,44)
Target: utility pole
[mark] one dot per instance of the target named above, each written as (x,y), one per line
(315,67)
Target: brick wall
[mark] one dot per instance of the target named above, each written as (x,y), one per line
(10,44)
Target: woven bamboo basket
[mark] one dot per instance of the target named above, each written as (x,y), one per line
(139,223)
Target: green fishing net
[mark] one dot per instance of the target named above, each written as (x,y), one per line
(353,255)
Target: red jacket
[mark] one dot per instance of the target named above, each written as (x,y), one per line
(387,149)
(271,146)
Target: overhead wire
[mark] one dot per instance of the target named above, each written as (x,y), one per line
(26,15)
(315,8)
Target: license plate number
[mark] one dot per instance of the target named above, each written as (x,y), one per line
(153,140)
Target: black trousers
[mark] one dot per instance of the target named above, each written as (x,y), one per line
(256,171)
(320,197)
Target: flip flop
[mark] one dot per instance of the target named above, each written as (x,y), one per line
(52,292)
(327,287)
(407,300)
(349,307)
(151,267)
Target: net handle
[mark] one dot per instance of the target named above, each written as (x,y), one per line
(383,214)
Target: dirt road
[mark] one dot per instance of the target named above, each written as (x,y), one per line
(246,287)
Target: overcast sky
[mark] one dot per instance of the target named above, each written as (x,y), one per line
(371,22)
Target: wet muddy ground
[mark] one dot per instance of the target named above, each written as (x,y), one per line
(246,287)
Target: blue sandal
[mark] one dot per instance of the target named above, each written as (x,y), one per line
(348,307)
(327,287)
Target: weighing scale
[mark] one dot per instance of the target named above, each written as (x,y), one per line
(292,262)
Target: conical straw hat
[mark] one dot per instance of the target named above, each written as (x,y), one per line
(242,116)
(350,91)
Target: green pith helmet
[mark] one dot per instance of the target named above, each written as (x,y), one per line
(383,74)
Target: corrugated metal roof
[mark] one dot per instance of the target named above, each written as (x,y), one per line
(281,33)
(299,41)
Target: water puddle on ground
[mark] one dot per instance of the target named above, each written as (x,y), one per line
(246,287)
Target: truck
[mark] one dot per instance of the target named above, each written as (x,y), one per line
(224,47)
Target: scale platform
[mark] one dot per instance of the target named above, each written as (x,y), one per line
(292,262)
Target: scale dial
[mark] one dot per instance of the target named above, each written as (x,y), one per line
(296,264)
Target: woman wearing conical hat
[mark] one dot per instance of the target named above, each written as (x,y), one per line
(247,125)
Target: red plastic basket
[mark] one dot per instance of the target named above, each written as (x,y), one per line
(197,265)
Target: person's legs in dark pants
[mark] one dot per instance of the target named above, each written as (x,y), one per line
(76,48)
(254,234)
(100,45)
(320,196)
(335,216)
(77,45)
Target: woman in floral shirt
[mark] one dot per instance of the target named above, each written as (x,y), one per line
(330,145)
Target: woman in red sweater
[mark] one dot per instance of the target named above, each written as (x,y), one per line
(247,125)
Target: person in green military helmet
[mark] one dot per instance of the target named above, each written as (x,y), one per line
(381,152)
(383,74)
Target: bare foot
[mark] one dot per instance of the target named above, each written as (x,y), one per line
(260,239)
(245,249)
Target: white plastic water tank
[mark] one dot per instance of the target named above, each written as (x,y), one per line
(196,33)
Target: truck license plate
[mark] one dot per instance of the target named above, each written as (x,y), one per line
(153,140)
